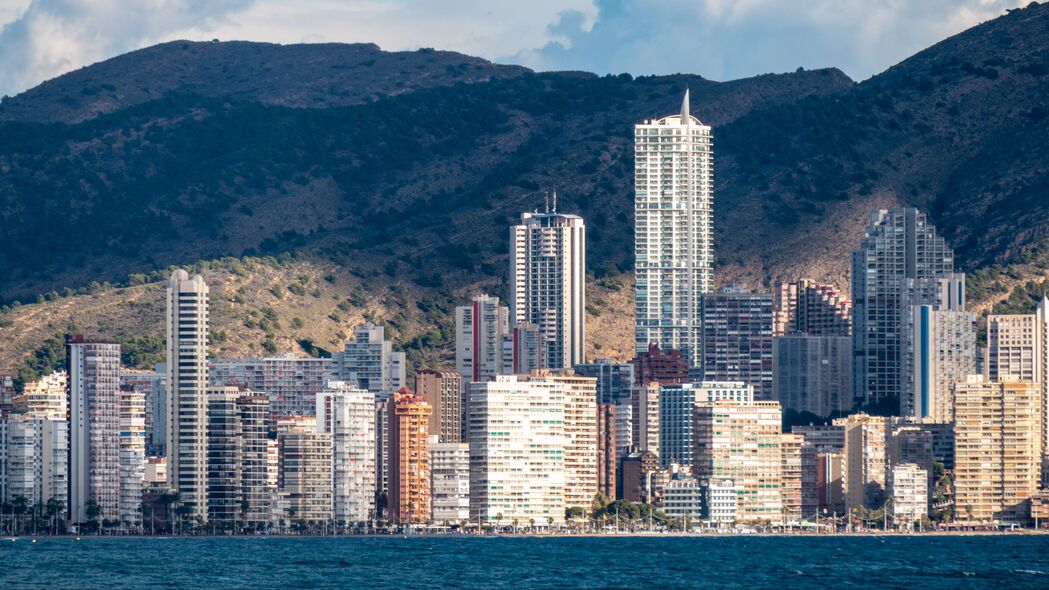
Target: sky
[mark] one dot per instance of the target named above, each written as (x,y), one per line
(718,39)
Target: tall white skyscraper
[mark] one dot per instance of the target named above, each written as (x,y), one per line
(94,434)
(548,282)
(187,377)
(347,412)
(673,234)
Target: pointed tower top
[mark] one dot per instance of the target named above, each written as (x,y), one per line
(686,116)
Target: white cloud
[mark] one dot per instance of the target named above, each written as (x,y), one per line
(719,39)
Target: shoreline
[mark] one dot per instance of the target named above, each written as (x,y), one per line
(859,534)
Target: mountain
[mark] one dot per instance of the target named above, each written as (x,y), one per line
(402,171)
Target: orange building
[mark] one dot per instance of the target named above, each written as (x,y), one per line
(409,495)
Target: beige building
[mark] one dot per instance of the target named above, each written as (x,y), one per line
(304,471)
(997,449)
(864,480)
(1018,350)
(790,451)
(910,494)
(580,450)
(742,441)
(45,398)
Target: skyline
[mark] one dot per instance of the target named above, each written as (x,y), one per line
(50,37)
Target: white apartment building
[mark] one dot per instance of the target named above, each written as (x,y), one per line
(187,397)
(370,361)
(910,494)
(347,412)
(132,454)
(548,282)
(677,406)
(673,234)
(449,482)
(34,455)
(517,442)
(94,436)
(480,330)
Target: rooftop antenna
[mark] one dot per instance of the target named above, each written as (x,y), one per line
(555,202)
(547,193)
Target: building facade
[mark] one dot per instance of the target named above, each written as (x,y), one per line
(347,412)
(808,307)
(370,361)
(813,373)
(187,382)
(481,329)
(736,339)
(450,482)
(673,229)
(899,244)
(409,472)
(443,390)
(548,282)
(94,434)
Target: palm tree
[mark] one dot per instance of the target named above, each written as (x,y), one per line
(93,512)
(53,508)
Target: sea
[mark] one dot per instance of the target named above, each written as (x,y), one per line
(1002,562)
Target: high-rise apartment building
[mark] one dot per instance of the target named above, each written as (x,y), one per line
(153,387)
(187,381)
(548,282)
(291,382)
(742,441)
(736,339)
(525,350)
(449,482)
(257,473)
(864,480)
(899,244)
(939,347)
(225,492)
(998,442)
(347,412)
(607,459)
(677,405)
(910,494)
(369,360)
(614,380)
(517,442)
(1018,349)
(481,329)
(409,472)
(807,307)
(791,476)
(34,458)
(132,454)
(673,230)
(580,433)
(813,373)
(443,390)
(645,408)
(304,471)
(94,435)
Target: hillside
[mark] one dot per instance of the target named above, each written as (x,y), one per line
(402,173)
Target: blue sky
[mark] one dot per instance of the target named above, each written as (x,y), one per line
(718,39)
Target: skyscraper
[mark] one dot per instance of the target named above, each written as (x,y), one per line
(291,382)
(899,244)
(998,441)
(94,434)
(224,456)
(614,380)
(813,373)
(866,446)
(736,339)
(939,347)
(673,229)
(257,479)
(347,412)
(677,406)
(34,458)
(409,472)
(443,390)
(548,282)
(517,441)
(742,441)
(304,471)
(132,454)
(187,381)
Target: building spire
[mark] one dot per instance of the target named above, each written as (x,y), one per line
(555,202)
(686,116)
